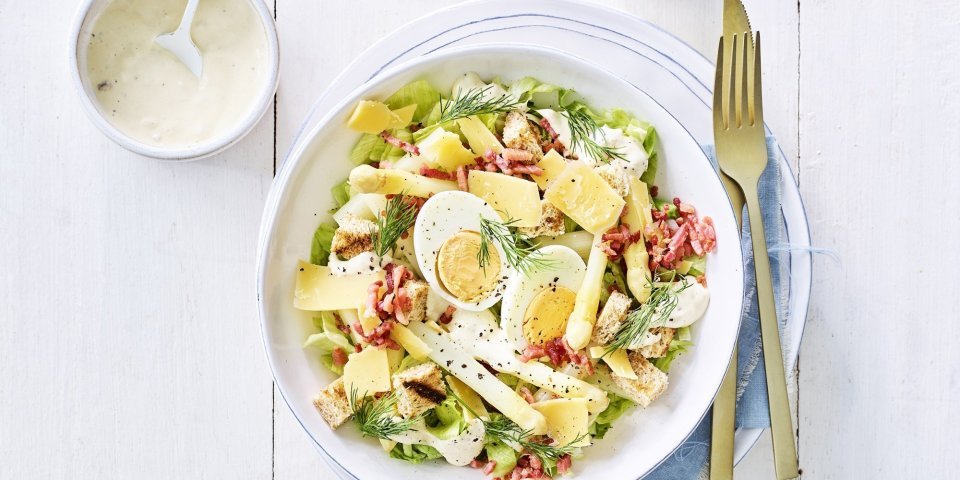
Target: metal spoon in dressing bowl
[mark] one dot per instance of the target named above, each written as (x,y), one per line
(180,43)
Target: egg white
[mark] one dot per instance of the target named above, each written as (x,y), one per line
(566,269)
(442,216)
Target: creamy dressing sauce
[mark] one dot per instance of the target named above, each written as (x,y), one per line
(148,94)
(366,262)
(634,155)
(459,450)
(691,304)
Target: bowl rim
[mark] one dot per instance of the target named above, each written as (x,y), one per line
(295,158)
(215,145)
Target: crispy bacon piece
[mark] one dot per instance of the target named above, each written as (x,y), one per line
(435,173)
(559,352)
(447,315)
(516,155)
(402,145)
(525,393)
(462,178)
(339,356)
(489,466)
(564,464)
(671,240)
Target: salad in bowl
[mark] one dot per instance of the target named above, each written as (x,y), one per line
(500,279)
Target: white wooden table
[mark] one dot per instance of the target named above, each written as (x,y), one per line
(129,343)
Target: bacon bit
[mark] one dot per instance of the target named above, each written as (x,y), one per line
(435,173)
(402,145)
(524,393)
(390,308)
(671,240)
(532,352)
(702,279)
(549,128)
(462,178)
(654,191)
(616,240)
(357,348)
(488,468)
(517,155)
(339,356)
(527,169)
(564,464)
(559,353)
(476,463)
(447,315)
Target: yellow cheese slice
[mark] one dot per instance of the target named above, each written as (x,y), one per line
(567,420)
(638,206)
(617,361)
(403,116)
(367,372)
(369,322)
(552,164)
(371,117)
(512,197)
(469,397)
(479,137)
(585,197)
(410,342)
(317,289)
(443,149)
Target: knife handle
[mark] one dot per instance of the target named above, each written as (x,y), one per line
(781,423)
(724,413)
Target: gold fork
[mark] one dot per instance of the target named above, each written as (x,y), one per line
(742,155)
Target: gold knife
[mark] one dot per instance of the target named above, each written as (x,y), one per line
(735,20)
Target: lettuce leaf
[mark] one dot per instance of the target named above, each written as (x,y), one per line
(322,240)
(650,145)
(329,338)
(445,421)
(542,95)
(677,347)
(416,454)
(341,193)
(617,407)
(504,455)
(614,276)
(419,92)
(371,148)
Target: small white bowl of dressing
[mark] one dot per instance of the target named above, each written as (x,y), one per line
(147,101)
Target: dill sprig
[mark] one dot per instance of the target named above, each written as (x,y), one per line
(397,218)
(375,417)
(507,431)
(521,253)
(654,313)
(474,102)
(583,130)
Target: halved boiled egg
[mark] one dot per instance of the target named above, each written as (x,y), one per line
(446,239)
(536,306)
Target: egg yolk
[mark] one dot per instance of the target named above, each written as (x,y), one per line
(546,316)
(460,271)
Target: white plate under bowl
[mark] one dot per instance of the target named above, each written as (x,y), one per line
(300,199)
(665,67)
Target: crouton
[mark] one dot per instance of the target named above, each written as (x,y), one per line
(651,382)
(659,349)
(353,237)
(616,174)
(417,292)
(518,133)
(611,317)
(418,389)
(551,222)
(333,404)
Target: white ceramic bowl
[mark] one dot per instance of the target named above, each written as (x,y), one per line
(80,38)
(300,199)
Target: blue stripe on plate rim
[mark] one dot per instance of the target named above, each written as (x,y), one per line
(708,91)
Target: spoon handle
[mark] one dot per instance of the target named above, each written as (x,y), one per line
(188,14)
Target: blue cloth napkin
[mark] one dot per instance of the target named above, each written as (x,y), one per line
(689,461)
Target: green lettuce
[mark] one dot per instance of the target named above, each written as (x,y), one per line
(322,240)
(445,421)
(677,347)
(614,276)
(650,145)
(504,455)
(371,148)
(419,92)
(414,453)
(329,338)
(617,407)
(341,193)
(542,95)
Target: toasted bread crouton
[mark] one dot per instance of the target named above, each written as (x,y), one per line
(659,349)
(518,133)
(417,292)
(651,382)
(611,317)
(615,172)
(333,405)
(353,237)
(418,389)
(551,222)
